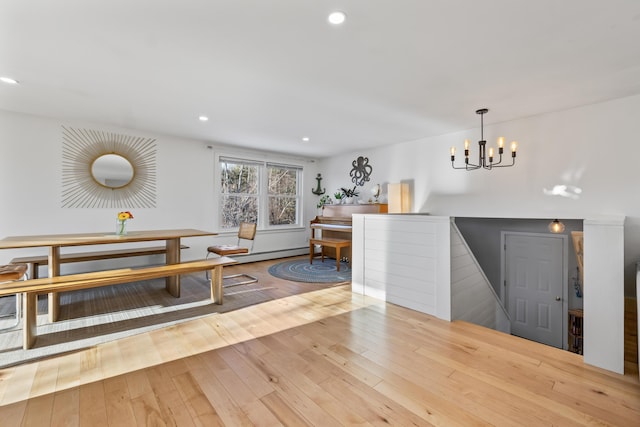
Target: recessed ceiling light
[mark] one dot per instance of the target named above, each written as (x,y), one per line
(203,118)
(305,138)
(8,80)
(337,17)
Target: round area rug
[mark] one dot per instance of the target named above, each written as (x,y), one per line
(319,272)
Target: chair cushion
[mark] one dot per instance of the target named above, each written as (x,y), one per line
(12,272)
(224,250)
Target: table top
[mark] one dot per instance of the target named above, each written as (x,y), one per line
(82,239)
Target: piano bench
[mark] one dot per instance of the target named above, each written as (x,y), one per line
(337,244)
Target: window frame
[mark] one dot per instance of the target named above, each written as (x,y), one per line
(263,191)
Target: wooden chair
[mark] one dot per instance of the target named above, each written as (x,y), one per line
(246,234)
(11,273)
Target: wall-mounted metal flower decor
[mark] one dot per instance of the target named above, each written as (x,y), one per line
(361,171)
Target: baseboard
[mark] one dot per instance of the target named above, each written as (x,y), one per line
(264,256)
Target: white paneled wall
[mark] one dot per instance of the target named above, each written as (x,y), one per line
(472,296)
(403,259)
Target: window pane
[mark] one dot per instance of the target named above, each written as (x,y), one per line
(236,209)
(238,178)
(283,192)
(282,210)
(283,180)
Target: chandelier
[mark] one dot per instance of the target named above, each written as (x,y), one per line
(484,161)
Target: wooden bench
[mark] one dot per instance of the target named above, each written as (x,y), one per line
(331,242)
(36,261)
(33,287)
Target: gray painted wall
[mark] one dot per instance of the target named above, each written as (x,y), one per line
(483,237)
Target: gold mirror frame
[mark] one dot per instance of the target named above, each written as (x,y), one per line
(82,147)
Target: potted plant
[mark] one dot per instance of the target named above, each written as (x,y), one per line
(349,194)
(338,196)
(324,200)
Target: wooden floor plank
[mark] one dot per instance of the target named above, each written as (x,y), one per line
(279,407)
(146,410)
(199,406)
(65,408)
(318,355)
(118,402)
(39,411)
(223,401)
(92,408)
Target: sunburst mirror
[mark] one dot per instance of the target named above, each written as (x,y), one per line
(107,170)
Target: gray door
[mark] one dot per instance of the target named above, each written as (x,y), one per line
(535,278)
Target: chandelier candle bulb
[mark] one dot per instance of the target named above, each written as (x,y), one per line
(453,153)
(514,146)
(491,155)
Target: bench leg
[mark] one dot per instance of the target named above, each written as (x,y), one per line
(30,320)
(216,285)
(338,258)
(311,249)
(54,270)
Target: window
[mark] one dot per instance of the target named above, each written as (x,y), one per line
(283,194)
(265,193)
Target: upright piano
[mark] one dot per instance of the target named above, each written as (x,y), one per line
(335,221)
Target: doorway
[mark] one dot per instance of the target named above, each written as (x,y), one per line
(535,289)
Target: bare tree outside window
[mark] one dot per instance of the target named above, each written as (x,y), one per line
(283,195)
(239,193)
(252,190)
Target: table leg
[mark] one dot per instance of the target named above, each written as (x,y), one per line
(216,285)
(54,270)
(30,327)
(173,257)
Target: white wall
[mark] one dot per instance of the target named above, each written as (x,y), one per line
(30,177)
(603,315)
(593,147)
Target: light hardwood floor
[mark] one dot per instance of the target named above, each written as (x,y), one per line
(323,357)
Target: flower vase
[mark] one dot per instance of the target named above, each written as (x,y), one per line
(121,228)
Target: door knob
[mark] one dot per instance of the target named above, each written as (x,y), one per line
(557,298)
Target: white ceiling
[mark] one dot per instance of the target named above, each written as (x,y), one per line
(268,72)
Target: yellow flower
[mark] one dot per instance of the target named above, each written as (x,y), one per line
(123,216)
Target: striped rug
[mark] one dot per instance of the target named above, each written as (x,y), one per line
(300,270)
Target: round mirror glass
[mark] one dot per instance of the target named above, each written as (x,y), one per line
(112,170)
